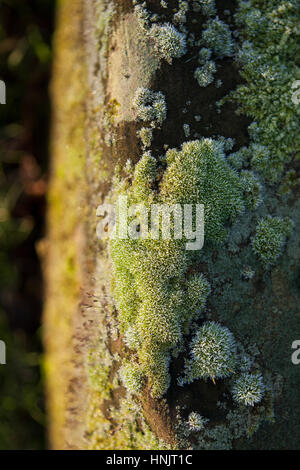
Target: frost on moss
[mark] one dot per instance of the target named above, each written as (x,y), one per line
(168,42)
(252,189)
(217,37)
(200,172)
(146,136)
(196,422)
(205,74)
(289,182)
(208,7)
(180,17)
(150,105)
(198,289)
(240,158)
(248,389)
(213,354)
(142,15)
(186,130)
(204,55)
(157,299)
(270,44)
(247,273)
(132,377)
(261,158)
(270,238)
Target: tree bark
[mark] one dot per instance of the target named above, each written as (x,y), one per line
(102,56)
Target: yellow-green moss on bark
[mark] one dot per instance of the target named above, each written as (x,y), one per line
(64,229)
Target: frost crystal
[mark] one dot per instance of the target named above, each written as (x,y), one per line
(150,105)
(169,43)
(248,389)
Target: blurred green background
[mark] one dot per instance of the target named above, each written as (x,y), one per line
(26,28)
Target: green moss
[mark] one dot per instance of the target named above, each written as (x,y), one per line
(270,44)
(270,238)
(252,189)
(240,158)
(156,298)
(169,43)
(213,354)
(150,105)
(99,362)
(217,37)
(200,173)
(290,181)
(205,74)
(146,136)
(248,389)
(196,422)
(131,376)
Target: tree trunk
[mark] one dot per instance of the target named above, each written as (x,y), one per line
(129,86)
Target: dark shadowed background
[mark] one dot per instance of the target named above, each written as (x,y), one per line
(26,28)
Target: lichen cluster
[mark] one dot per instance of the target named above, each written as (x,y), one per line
(146,136)
(214,355)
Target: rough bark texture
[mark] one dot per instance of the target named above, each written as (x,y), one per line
(102,57)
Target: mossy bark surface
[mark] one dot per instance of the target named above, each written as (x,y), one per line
(103,56)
